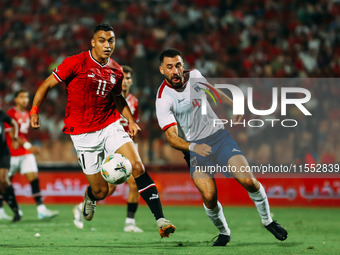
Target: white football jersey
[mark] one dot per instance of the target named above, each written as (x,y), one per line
(183,107)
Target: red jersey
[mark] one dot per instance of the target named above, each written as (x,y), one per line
(90,87)
(23,120)
(132,102)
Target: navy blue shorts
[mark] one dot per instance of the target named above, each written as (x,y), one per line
(223,147)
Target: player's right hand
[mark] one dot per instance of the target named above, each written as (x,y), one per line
(35,123)
(133,129)
(202,149)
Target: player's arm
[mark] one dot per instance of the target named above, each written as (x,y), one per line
(22,142)
(14,130)
(39,97)
(136,117)
(226,99)
(11,133)
(178,143)
(124,110)
(15,126)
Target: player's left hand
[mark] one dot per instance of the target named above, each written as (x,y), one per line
(15,144)
(237,118)
(133,129)
(35,123)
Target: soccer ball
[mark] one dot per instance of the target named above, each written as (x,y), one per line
(116,169)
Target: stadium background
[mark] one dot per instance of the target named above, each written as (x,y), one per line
(265,39)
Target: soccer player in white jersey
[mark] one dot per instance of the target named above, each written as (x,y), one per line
(186,129)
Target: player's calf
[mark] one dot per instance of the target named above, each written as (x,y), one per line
(148,191)
(137,168)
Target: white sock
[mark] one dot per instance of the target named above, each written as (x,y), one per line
(129,221)
(41,208)
(262,205)
(217,217)
(80,206)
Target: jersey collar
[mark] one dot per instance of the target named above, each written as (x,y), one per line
(108,60)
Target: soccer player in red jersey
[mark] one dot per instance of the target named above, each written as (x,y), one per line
(22,158)
(131,100)
(6,188)
(94,104)
(133,196)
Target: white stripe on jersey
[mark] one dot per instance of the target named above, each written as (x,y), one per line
(184,108)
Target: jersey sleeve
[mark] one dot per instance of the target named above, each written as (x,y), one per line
(66,69)
(117,90)
(164,113)
(195,74)
(7,125)
(5,118)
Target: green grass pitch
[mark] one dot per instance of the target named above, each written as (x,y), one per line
(310,231)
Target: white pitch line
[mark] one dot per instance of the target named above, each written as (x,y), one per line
(34,225)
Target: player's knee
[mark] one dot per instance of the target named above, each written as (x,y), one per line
(100,192)
(210,204)
(133,187)
(3,184)
(250,184)
(3,178)
(210,199)
(137,168)
(112,189)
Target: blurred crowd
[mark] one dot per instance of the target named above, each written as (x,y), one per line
(221,38)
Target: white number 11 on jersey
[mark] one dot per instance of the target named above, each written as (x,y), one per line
(102,90)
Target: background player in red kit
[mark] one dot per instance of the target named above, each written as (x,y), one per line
(94,83)
(6,188)
(133,196)
(22,158)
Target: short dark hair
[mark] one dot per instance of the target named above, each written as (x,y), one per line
(103,27)
(127,69)
(16,94)
(170,53)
